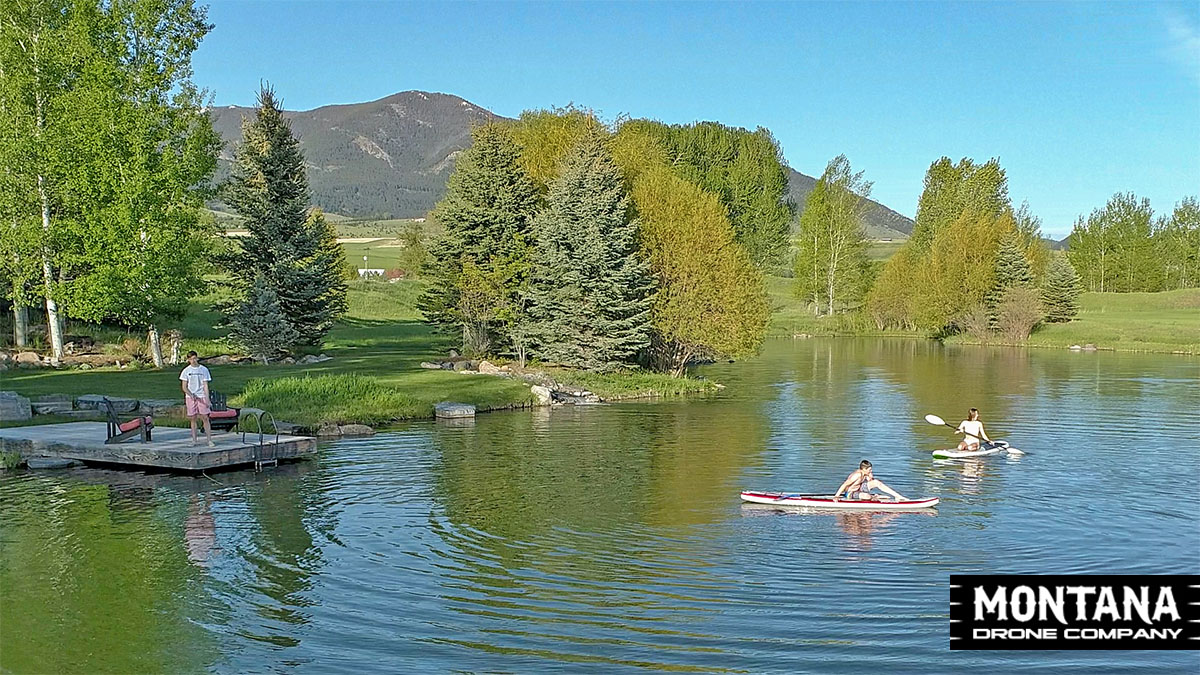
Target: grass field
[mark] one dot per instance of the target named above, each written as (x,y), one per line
(1141,322)
(374,376)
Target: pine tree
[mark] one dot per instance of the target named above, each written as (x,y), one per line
(1060,291)
(590,292)
(489,204)
(1012,271)
(259,325)
(294,250)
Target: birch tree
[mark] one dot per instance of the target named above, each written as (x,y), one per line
(832,245)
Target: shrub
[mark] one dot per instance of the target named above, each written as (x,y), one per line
(394,273)
(1019,311)
(133,348)
(977,323)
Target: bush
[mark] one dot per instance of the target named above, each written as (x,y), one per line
(1019,311)
(394,273)
(977,323)
(133,348)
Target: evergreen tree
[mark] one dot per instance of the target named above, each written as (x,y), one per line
(486,214)
(294,250)
(831,259)
(1012,271)
(590,292)
(259,325)
(1060,291)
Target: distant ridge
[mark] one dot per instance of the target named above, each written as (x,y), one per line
(390,158)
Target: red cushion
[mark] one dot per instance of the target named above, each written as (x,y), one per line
(217,414)
(135,423)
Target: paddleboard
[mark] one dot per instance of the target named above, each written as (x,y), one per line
(984,450)
(825,502)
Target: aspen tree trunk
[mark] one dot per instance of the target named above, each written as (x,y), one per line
(20,324)
(155,346)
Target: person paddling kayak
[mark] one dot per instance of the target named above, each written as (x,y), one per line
(973,428)
(858,485)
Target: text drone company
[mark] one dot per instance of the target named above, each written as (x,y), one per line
(1074,612)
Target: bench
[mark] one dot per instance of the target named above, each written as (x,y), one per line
(119,431)
(220,415)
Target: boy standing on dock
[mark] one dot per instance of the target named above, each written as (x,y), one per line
(194,381)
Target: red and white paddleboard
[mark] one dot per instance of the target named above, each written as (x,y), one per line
(825,502)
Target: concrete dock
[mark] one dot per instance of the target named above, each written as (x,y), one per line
(171,448)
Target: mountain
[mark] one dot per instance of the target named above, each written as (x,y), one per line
(881,222)
(390,158)
(383,159)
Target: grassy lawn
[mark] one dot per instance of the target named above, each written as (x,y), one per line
(1158,322)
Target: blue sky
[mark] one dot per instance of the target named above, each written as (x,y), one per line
(1078,100)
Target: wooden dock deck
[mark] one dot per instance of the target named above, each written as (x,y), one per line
(171,448)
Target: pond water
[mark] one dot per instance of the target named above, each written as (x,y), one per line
(611,538)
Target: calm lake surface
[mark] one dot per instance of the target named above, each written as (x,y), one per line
(611,538)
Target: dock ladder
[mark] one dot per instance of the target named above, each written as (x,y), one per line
(263,456)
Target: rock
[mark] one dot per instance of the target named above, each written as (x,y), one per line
(82,415)
(322,358)
(450,410)
(1075,348)
(453,353)
(1089,347)
(542,394)
(489,368)
(465,365)
(329,430)
(431,366)
(85,366)
(288,360)
(53,404)
(221,360)
(51,463)
(313,359)
(14,407)
(359,430)
(27,358)
(160,406)
(96,402)
(4,358)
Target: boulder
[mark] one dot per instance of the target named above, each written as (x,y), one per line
(221,360)
(1075,348)
(4,358)
(14,407)
(329,430)
(542,394)
(83,415)
(451,410)
(489,368)
(465,364)
(51,463)
(96,402)
(53,404)
(431,366)
(1089,347)
(359,430)
(288,360)
(28,358)
(160,406)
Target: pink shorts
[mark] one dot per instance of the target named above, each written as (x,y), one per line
(197,406)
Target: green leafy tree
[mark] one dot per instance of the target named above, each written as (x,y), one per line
(259,325)
(711,301)
(590,293)
(546,137)
(486,214)
(1112,248)
(1011,271)
(414,254)
(295,250)
(831,258)
(1060,291)
(1177,245)
(927,283)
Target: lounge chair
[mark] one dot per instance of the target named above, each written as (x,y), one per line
(220,415)
(119,431)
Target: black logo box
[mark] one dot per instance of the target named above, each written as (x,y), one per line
(969,632)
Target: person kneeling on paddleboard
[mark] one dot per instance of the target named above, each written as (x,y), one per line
(973,428)
(858,485)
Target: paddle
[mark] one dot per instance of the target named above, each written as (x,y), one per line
(935,420)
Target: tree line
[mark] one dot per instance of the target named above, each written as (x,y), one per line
(106,158)
(596,247)
(977,264)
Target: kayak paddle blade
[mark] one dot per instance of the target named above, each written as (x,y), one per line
(934,419)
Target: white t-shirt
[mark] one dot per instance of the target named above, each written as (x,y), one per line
(974,429)
(195,376)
